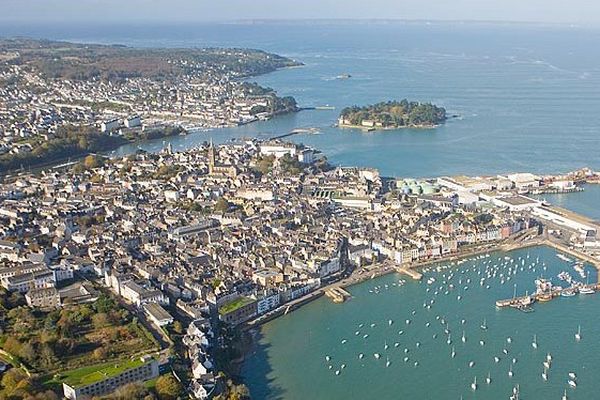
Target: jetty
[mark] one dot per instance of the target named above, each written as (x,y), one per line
(337,294)
(416,275)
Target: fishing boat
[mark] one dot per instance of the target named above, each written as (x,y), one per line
(572,376)
(572,383)
(564,397)
(578,334)
(545,374)
(534,343)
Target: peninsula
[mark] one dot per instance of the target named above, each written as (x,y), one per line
(392,115)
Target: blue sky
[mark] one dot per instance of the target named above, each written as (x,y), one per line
(549,11)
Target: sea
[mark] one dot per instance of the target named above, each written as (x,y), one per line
(524,98)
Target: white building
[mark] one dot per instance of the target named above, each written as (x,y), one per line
(107,126)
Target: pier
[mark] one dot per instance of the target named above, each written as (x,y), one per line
(337,294)
(416,275)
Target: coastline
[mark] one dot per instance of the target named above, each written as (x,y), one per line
(386,128)
(251,329)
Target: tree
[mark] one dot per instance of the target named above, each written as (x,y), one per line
(28,353)
(12,345)
(178,327)
(167,387)
(131,391)
(222,205)
(100,320)
(91,162)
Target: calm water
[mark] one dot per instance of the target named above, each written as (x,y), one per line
(586,202)
(527,96)
(289,361)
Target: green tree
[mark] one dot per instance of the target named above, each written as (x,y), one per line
(222,205)
(178,327)
(167,387)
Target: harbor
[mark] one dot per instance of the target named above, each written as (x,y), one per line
(401,328)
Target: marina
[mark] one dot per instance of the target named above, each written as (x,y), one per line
(447,317)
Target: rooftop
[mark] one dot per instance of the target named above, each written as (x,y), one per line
(235,304)
(88,375)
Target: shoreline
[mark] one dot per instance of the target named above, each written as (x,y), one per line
(386,128)
(252,328)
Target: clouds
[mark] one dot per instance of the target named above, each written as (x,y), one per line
(573,11)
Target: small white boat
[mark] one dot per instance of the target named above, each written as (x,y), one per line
(547,365)
(463,338)
(474,384)
(343,366)
(510,371)
(534,343)
(387,362)
(578,334)
(483,325)
(337,372)
(471,364)
(572,383)
(496,359)
(360,356)
(572,376)
(545,374)
(344,341)
(564,397)
(377,355)
(327,358)
(488,380)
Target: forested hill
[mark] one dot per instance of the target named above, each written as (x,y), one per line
(393,114)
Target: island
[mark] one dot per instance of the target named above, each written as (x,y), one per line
(61,100)
(392,115)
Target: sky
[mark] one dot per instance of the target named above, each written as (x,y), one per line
(108,11)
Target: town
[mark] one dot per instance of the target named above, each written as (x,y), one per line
(188,248)
(125,93)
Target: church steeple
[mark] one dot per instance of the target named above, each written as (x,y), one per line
(211,157)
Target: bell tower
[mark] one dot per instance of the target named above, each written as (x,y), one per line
(211,157)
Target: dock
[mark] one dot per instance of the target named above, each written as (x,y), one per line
(337,294)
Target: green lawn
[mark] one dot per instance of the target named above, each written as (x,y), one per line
(88,375)
(235,304)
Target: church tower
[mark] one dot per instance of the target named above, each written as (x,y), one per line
(211,157)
